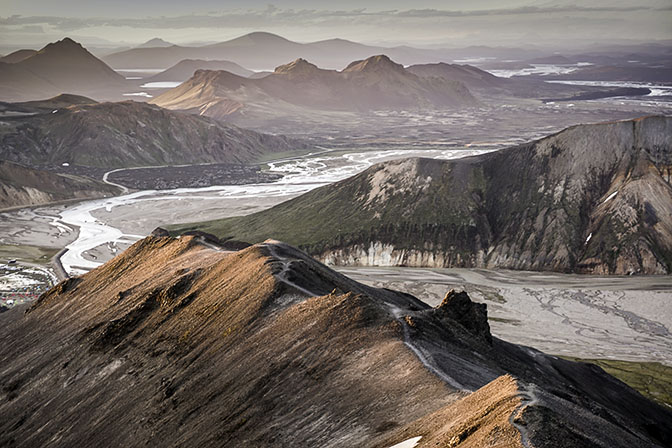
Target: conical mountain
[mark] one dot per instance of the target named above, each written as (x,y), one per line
(155,43)
(68,65)
(60,67)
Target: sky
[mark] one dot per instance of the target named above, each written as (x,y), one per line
(421,23)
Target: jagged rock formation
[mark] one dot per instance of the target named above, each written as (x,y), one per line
(22,186)
(592,198)
(179,343)
(370,84)
(113,135)
(63,66)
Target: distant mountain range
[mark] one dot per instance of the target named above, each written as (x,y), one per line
(179,342)
(373,83)
(17,56)
(63,66)
(79,131)
(592,199)
(263,51)
(66,67)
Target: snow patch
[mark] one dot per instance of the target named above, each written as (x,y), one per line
(611,196)
(410,443)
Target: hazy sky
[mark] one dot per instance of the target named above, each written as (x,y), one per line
(418,22)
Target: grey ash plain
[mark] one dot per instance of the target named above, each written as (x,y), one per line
(585,316)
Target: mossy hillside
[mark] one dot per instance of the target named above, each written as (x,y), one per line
(651,379)
(345,214)
(30,254)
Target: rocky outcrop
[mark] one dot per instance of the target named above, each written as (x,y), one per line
(472,316)
(592,198)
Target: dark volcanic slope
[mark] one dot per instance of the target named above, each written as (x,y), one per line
(373,83)
(63,66)
(592,198)
(22,186)
(178,344)
(111,135)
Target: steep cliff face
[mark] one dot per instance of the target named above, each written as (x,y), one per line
(180,343)
(592,198)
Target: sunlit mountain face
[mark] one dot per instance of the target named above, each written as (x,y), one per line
(377,224)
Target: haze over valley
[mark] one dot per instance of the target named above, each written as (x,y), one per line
(336,225)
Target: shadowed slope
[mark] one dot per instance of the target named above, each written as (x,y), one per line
(113,135)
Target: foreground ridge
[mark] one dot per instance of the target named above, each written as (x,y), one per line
(181,343)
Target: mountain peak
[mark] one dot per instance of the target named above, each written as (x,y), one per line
(65,44)
(155,43)
(262,37)
(297,67)
(374,63)
(472,316)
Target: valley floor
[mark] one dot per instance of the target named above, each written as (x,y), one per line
(627,318)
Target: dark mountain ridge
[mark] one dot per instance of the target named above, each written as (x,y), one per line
(125,134)
(592,198)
